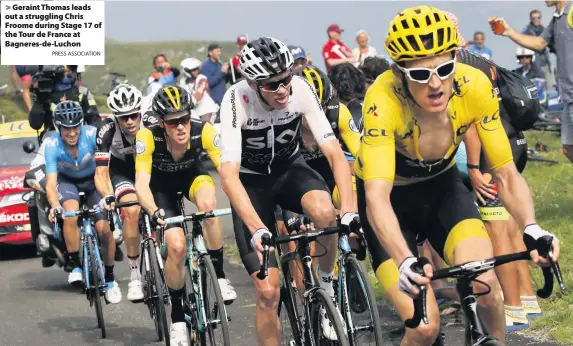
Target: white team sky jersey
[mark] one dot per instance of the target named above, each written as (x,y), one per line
(259,138)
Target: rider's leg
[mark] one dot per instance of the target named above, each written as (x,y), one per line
(132,244)
(294,266)
(266,317)
(175,270)
(70,201)
(203,194)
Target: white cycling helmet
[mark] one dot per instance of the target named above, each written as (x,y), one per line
(522,51)
(264,58)
(189,64)
(124,99)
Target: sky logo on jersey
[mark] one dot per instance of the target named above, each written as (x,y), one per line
(490,122)
(352,126)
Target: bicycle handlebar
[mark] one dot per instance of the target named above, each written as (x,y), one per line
(471,270)
(199,216)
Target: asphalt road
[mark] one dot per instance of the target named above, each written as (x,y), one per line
(39,307)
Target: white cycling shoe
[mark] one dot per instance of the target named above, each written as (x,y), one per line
(75,276)
(112,293)
(327,328)
(135,291)
(227,291)
(178,334)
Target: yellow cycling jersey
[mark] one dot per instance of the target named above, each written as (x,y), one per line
(389,148)
(348,131)
(153,153)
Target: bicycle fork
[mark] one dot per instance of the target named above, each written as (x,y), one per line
(476,332)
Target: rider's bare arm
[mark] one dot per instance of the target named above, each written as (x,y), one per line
(52,189)
(515,195)
(238,196)
(143,192)
(473,146)
(103,181)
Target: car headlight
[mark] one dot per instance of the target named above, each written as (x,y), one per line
(12,199)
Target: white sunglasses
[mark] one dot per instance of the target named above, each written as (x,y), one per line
(422,74)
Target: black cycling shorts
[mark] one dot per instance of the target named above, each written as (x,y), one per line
(69,189)
(284,188)
(166,186)
(432,210)
(122,178)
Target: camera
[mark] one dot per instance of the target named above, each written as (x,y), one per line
(45,77)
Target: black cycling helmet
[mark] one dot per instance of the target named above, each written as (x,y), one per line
(68,114)
(171,99)
(319,80)
(264,58)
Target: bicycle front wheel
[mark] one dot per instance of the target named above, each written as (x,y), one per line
(365,320)
(96,281)
(321,303)
(217,324)
(157,295)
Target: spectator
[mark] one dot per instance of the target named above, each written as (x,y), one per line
(478,46)
(197,85)
(299,56)
(18,72)
(558,36)
(529,68)
(453,18)
(216,73)
(363,50)
(535,28)
(164,74)
(372,67)
(235,75)
(334,51)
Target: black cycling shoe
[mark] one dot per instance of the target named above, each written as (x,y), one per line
(47,262)
(118,254)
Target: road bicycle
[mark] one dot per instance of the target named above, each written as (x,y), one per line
(476,333)
(205,314)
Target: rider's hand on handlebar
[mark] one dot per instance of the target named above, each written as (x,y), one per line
(410,280)
(256,242)
(158,218)
(107,203)
(531,234)
(58,210)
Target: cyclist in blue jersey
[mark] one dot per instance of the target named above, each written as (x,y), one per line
(70,169)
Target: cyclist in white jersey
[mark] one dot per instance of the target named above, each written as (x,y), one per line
(262,167)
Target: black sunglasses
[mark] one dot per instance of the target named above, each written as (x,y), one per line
(191,70)
(132,116)
(184,120)
(274,86)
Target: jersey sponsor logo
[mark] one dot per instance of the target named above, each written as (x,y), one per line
(19,217)
(217,140)
(254,122)
(104,129)
(333,106)
(334,125)
(376,133)
(158,139)
(352,126)
(259,142)
(522,141)
(372,110)
(490,123)
(328,135)
(90,131)
(289,115)
(233,108)
(139,147)
(102,156)
(246,98)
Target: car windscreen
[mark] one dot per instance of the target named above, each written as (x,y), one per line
(12,154)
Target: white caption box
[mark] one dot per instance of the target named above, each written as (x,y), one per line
(52,32)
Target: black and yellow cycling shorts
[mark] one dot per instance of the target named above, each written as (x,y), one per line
(441,210)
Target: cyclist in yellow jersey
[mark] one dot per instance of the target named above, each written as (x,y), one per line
(415,117)
(167,162)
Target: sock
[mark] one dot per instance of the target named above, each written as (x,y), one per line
(75,260)
(217,259)
(326,282)
(134,273)
(177,314)
(109,274)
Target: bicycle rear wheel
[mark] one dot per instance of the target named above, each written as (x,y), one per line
(157,294)
(213,305)
(320,300)
(290,308)
(362,305)
(96,283)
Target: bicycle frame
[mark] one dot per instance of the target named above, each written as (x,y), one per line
(147,237)
(87,231)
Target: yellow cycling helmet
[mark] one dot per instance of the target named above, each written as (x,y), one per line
(411,27)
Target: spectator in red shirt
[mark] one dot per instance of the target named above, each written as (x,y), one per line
(334,51)
(235,75)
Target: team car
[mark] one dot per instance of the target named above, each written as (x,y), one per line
(14,163)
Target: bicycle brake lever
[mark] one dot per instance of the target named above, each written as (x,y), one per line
(420,302)
(264,271)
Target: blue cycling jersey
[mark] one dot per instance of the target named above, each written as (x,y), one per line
(59,161)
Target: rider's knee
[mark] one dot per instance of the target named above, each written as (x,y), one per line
(207,203)
(70,222)
(268,296)
(322,212)
(424,334)
(493,299)
(131,213)
(177,249)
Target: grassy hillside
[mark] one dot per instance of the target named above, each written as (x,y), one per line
(135,61)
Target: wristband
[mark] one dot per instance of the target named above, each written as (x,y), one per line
(470,166)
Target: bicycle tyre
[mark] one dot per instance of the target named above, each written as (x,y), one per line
(352,264)
(162,324)
(95,281)
(288,298)
(318,298)
(208,271)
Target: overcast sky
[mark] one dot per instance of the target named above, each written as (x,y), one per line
(302,23)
